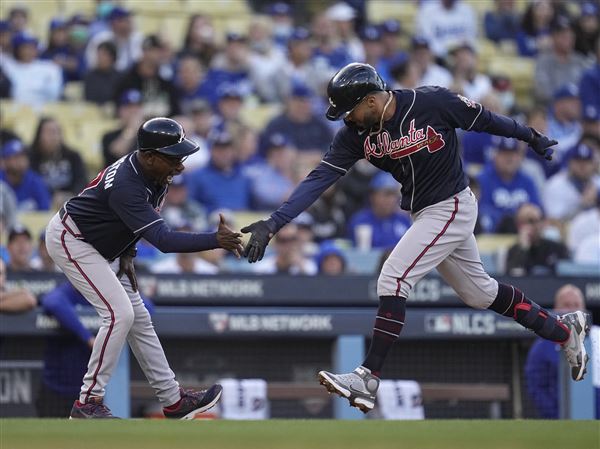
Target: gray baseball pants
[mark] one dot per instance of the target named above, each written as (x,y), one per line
(441,237)
(124,316)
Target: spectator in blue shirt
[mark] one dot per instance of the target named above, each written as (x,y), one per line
(190,82)
(503,23)
(564,124)
(271,180)
(327,40)
(29,187)
(504,187)
(62,53)
(541,367)
(221,184)
(534,36)
(65,356)
(231,66)
(589,93)
(307,131)
(386,221)
(390,38)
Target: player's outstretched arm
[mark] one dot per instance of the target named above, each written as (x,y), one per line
(229,240)
(262,232)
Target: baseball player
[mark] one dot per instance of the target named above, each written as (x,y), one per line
(410,133)
(92,239)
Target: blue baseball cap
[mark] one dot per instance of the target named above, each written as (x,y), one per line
(383,181)
(300,34)
(505,144)
(370,33)
(118,12)
(229,90)
(279,9)
(580,152)
(57,23)
(277,140)
(23,39)
(591,113)
(12,147)
(130,96)
(19,229)
(221,139)
(301,91)
(329,248)
(589,9)
(419,42)
(391,26)
(569,90)
(234,36)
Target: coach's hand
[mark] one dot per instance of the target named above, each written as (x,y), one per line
(541,144)
(262,231)
(229,240)
(126,267)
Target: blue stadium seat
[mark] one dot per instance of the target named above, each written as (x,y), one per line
(569,268)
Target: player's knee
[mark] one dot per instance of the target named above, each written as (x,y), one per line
(389,285)
(124,317)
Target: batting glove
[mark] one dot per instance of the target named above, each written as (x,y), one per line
(262,231)
(541,143)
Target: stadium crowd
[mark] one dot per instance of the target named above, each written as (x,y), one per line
(283,61)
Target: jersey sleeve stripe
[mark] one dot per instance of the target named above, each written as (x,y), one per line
(343,170)
(476,117)
(149,224)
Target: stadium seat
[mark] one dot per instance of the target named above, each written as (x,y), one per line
(35,221)
(258,116)
(569,268)
(90,138)
(13,113)
(491,243)
(222,8)
(73,91)
(68,8)
(405,12)
(363,262)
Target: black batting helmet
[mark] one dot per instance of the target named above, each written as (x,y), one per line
(349,86)
(166,136)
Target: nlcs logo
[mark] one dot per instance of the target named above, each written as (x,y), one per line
(415,140)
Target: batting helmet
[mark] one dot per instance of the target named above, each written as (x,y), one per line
(349,86)
(165,136)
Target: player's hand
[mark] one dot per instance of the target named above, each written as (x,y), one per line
(541,144)
(126,267)
(229,240)
(262,231)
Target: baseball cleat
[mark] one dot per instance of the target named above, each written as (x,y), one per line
(579,324)
(359,387)
(93,409)
(194,402)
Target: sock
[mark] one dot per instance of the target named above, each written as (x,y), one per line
(387,328)
(173,406)
(512,302)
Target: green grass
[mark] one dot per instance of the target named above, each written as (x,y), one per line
(298,434)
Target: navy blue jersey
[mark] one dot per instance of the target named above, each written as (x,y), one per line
(120,206)
(418,146)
